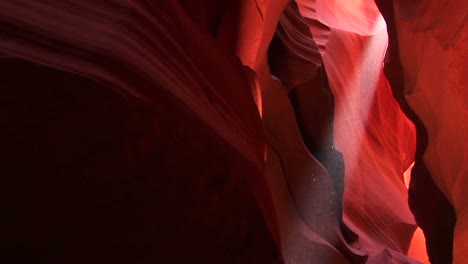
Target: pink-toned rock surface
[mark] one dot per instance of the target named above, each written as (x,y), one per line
(248,131)
(370,142)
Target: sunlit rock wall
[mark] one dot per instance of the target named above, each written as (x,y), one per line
(347,59)
(251,131)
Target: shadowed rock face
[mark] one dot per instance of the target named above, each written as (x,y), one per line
(251,131)
(433,212)
(94,178)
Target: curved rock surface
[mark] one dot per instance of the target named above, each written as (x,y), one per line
(248,131)
(432,46)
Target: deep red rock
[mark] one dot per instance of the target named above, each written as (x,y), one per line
(251,131)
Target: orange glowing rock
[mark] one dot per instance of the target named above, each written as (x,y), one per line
(250,131)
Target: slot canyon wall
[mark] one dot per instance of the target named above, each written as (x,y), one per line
(249,131)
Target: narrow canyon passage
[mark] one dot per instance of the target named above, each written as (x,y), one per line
(248,131)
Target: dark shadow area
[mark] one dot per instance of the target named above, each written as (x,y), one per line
(90,177)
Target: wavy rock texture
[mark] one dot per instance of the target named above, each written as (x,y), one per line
(123,146)
(431,39)
(250,131)
(362,96)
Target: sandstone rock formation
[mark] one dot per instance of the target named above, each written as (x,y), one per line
(252,131)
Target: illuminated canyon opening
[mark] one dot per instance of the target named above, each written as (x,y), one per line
(251,131)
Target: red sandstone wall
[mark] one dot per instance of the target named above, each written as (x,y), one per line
(248,131)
